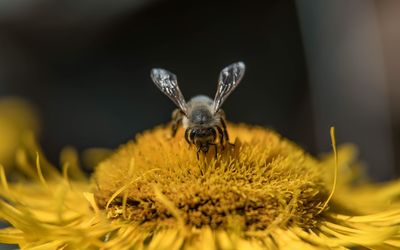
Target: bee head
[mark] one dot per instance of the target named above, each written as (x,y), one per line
(202,133)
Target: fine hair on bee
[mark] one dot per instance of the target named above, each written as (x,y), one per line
(202,117)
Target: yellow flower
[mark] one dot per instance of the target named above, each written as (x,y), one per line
(264,192)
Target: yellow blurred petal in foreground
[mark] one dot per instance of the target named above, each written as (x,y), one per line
(16,117)
(152,193)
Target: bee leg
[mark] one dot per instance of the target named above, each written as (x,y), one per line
(221,136)
(215,149)
(187,133)
(177,117)
(214,133)
(198,153)
(225,131)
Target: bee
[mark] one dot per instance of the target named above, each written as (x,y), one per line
(202,118)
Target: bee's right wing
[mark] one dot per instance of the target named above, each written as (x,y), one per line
(229,79)
(168,84)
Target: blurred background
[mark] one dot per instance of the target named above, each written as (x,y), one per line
(85,66)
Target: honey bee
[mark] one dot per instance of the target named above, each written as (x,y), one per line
(203,119)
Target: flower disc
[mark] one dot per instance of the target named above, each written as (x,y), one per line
(261,180)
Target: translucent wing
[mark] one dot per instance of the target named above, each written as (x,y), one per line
(168,84)
(229,79)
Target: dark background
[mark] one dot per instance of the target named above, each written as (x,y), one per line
(85,65)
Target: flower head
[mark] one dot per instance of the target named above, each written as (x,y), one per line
(264,192)
(263,180)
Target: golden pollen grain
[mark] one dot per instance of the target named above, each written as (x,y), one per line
(262,181)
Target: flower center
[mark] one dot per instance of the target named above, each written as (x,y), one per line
(261,181)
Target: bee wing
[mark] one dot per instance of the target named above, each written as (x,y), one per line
(229,79)
(168,84)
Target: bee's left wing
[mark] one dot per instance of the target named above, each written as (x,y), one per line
(168,84)
(229,79)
